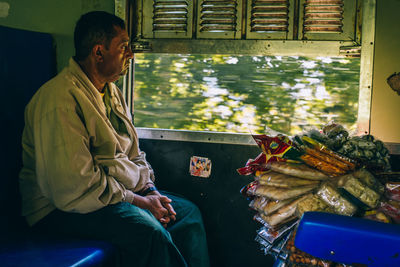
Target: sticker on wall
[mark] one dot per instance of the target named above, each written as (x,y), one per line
(200,167)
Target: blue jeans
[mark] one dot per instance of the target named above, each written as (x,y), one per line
(140,239)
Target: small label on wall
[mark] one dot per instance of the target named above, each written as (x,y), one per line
(200,167)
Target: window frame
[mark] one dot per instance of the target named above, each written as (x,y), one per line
(262,47)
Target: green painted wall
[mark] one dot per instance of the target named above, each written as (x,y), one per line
(57,17)
(385,108)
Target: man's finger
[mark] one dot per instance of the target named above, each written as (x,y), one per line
(170,209)
(172,217)
(165,199)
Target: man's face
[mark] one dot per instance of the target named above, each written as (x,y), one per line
(117,57)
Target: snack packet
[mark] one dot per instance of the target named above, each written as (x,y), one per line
(282,215)
(392,209)
(279,193)
(377,215)
(299,170)
(277,148)
(312,203)
(392,190)
(359,190)
(266,205)
(276,179)
(333,198)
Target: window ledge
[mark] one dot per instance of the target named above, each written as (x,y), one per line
(195,136)
(216,137)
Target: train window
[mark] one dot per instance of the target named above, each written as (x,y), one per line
(244,94)
(246,66)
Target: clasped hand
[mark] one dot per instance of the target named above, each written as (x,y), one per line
(160,206)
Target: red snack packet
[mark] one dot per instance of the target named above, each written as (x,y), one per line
(392,190)
(253,165)
(392,209)
(249,189)
(277,148)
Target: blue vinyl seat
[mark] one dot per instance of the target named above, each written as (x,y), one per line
(349,240)
(48,252)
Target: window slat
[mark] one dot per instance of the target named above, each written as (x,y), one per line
(170,16)
(269,16)
(218,16)
(323,16)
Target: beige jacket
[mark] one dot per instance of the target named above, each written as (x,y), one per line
(73,159)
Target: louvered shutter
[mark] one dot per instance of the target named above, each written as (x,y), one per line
(269,19)
(167,19)
(219,19)
(327,19)
(314,20)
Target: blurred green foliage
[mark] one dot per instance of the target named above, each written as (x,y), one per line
(244,94)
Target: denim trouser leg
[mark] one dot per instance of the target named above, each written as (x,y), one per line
(188,232)
(139,237)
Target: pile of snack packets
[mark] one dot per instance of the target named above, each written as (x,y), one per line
(320,170)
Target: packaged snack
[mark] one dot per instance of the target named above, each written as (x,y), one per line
(367,178)
(299,170)
(392,190)
(321,151)
(312,203)
(325,158)
(279,250)
(257,203)
(265,246)
(274,148)
(359,190)
(267,206)
(336,134)
(277,148)
(253,165)
(279,193)
(272,205)
(249,189)
(272,236)
(392,209)
(368,151)
(377,215)
(282,215)
(332,197)
(321,165)
(277,179)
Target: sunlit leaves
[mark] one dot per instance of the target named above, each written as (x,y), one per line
(244,93)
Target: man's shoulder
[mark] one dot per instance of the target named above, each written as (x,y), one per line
(60,84)
(55,92)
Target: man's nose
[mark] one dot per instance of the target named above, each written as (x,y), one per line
(130,53)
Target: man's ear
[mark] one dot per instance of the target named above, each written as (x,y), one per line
(97,53)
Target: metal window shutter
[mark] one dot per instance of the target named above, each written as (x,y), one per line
(270,19)
(219,19)
(167,19)
(327,19)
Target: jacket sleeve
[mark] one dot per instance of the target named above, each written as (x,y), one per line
(133,173)
(65,167)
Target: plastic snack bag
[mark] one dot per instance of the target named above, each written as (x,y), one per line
(299,170)
(392,190)
(359,190)
(283,180)
(333,198)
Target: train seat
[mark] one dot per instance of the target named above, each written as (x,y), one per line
(27,60)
